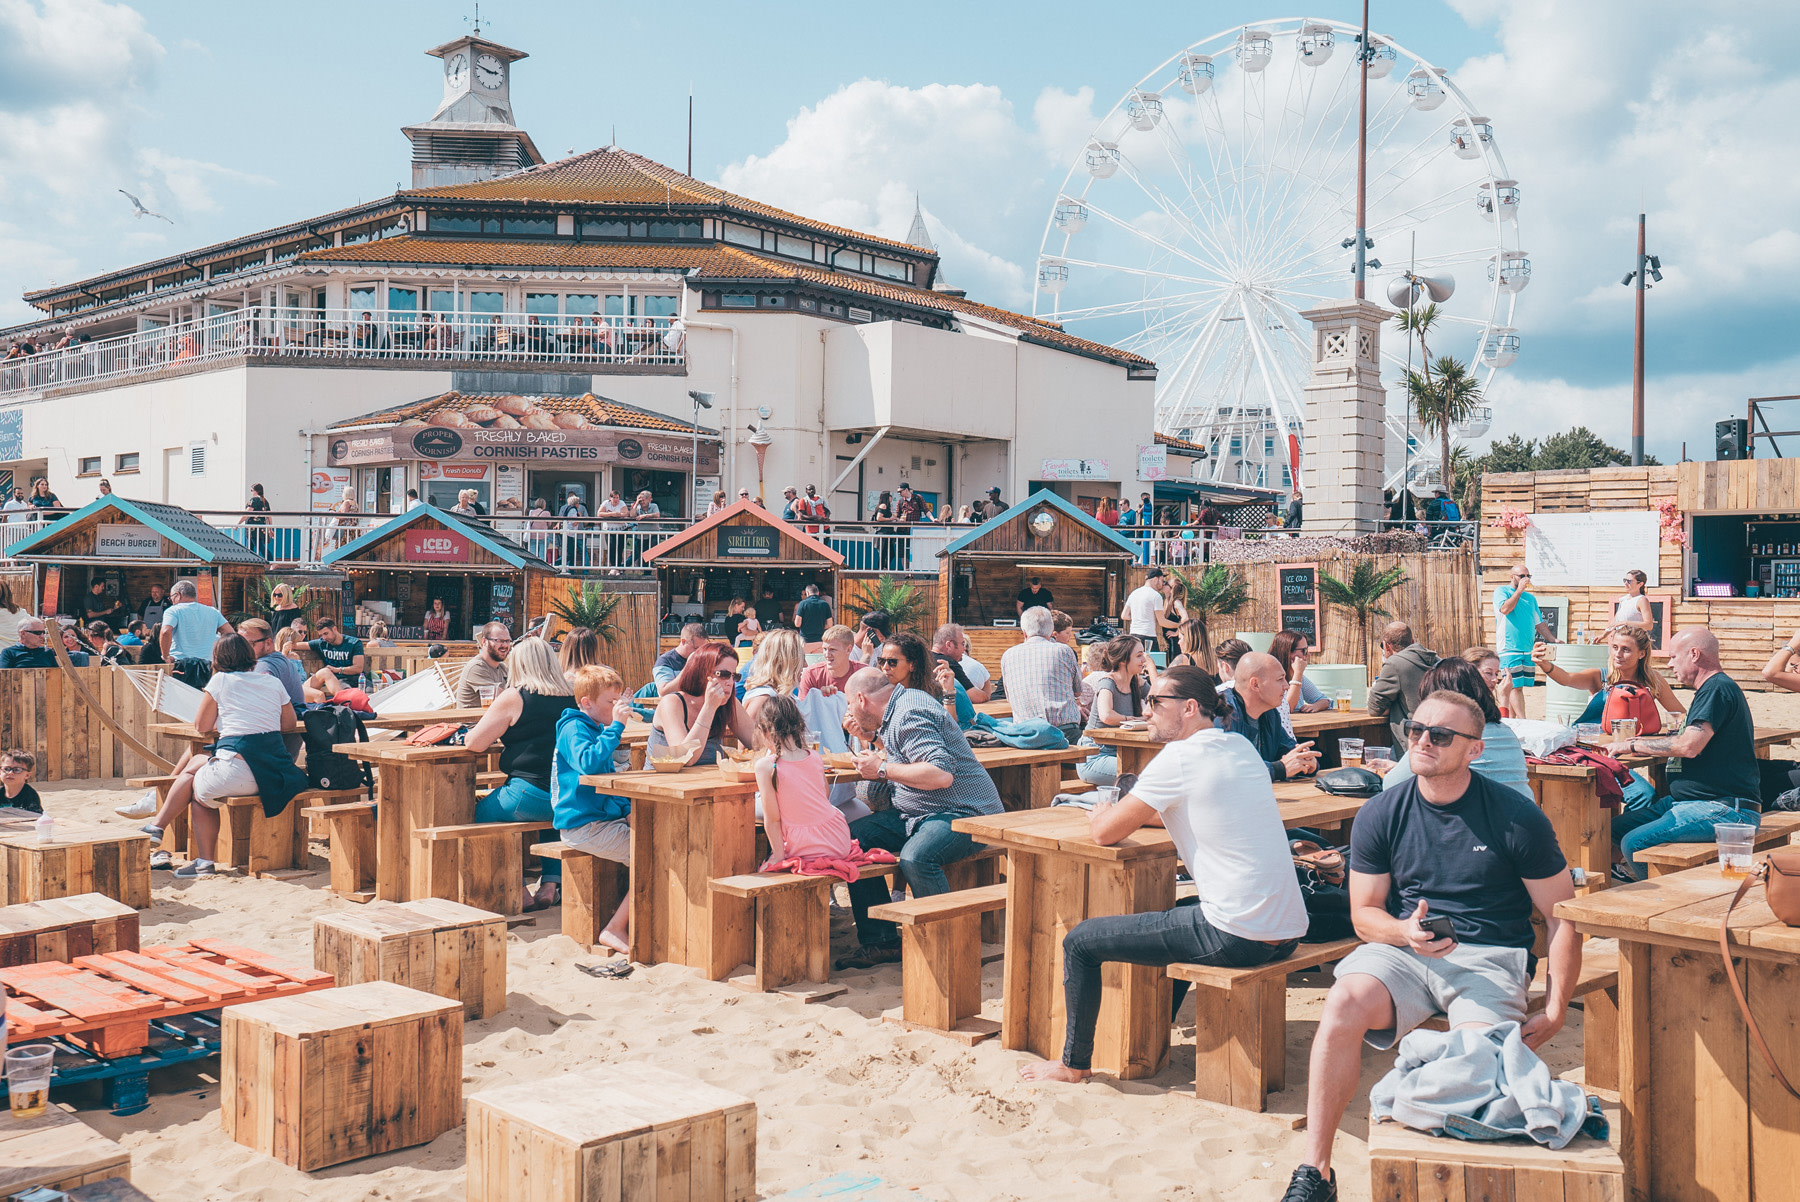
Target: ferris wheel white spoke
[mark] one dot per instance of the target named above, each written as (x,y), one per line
(1173,144)
(1143,272)
(1318,128)
(1182,221)
(1138,232)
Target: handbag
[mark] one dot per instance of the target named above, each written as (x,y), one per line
(1322,877)
(430,736)
(1780,875)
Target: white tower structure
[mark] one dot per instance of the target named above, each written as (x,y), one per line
(472,136)
(1346,435)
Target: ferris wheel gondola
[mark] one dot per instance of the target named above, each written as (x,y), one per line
(1210,208)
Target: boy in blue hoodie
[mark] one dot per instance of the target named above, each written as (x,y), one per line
(587,738)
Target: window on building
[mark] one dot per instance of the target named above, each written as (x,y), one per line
(661,306)
(443,300)
(847,260)
(486,302)
(797,248)
(541,302)
(621,306)
(807,302)
(581,305)
(603,229)
(89,465)
(450,224)
(743,235)
(362,296)
(738,300)
(774,302)
(675,229)
(127,462)
(537,226)
(403,300)
(891,269)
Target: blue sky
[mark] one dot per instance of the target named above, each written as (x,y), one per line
(232,117)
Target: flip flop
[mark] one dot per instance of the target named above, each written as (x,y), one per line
(611,970)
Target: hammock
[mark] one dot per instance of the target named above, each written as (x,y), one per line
(427,689)
(164,694)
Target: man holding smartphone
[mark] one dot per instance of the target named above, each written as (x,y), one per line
(1444,872)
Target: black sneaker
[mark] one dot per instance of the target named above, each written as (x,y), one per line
(869,955)
(1309,1185)
(1623,875)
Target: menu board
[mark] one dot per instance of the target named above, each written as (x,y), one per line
(500,604)
(1299,601)
(1585,550)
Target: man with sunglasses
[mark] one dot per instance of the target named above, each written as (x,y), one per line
(31,651)
(1208,788)
(1448,843)
(1517,615)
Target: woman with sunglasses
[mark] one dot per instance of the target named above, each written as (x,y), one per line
(1294,651)
(1627,688)
(906,661)
(701,707)
(1633,608)
(1502,759)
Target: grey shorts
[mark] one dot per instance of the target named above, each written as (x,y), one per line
(1473,984)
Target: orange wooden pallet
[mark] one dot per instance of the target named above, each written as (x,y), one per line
(106,1003)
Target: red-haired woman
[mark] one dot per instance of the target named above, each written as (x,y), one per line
(702,705)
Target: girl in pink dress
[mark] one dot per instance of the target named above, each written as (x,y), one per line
(798,816)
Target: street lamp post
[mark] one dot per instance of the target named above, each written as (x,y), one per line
(1650,266)
(702,400)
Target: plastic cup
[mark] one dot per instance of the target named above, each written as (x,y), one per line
(486,693)
(28,1079)
(813,739)
(1106,795)
(1343,701)
(1624,728)
(1737,844)
(1589,734)
(1350,753)
(1378,759)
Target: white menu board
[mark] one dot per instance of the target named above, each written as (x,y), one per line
(1578,550)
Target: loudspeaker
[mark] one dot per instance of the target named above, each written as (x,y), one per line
(1731,439)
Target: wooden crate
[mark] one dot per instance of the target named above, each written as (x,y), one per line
(432,944)
(83,858)
(57,1150)
(66,927)
(1407,1165)
(619,1133)
(341,1074)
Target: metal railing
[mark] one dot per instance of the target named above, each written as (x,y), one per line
(356,334)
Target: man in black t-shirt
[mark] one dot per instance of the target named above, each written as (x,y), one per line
(1713,774)
(812,615)
(342,653)
(1448,844)
(1036,594)
(98,607)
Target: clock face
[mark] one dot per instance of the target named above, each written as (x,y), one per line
(490,72)
(456,69)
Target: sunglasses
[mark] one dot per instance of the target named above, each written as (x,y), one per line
(1441,736)
(723,674)
(1153,698)
(889,661)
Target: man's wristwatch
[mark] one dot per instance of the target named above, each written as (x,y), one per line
(881,770)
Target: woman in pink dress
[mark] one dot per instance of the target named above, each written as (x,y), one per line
(798,816)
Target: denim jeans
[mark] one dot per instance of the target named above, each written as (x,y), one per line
(922,858)
(518,801)
(1178,936)
(1669,821)
(1101,768)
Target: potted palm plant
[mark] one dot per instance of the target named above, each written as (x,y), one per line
(591,606)
(905,603)
(1362,594)
(1217,592)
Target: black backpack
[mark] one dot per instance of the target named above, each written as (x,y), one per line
(326,726)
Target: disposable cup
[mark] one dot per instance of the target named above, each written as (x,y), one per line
(1105,795)
(28,1079)
(1737,844)
(1350,753)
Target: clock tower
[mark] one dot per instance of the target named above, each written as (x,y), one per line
(471,136)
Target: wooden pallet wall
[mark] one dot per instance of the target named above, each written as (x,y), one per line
(42,713)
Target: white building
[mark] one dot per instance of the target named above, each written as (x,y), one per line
(195,376)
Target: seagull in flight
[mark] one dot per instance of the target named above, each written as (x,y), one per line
(139,206)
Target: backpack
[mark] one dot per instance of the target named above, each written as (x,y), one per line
(1631,701)
(326,726)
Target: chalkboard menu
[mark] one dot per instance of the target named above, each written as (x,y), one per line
(1299,601)
(500,603)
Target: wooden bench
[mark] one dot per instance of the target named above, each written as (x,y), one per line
(489,856)
(488,781)
(1777,827)
(248,839)
(1404,1163)
(1240,1023)
(793,928)
(940,941)
(977,872)
(351,831)
(592,888)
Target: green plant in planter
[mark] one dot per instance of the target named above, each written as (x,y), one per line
(593,607)
(1362,593)
(905,603)
(1217,592)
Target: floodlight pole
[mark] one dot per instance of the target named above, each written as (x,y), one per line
(1637,359)
(1362,157)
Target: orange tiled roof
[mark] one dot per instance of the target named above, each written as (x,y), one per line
(591,409)
(708,262)
(613,176)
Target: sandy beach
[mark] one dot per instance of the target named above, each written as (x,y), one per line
(837,1089)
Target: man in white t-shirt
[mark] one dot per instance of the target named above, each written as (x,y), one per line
(1144,605)
(1211,790)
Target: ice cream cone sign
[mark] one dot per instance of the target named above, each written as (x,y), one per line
(759,441)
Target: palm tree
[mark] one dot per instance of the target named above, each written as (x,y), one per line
(1446,400)
(1218,592)
(593,607)
(1417,322)
(904,603)
(1362,593)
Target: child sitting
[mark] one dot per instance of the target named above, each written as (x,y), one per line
(587,738)
(16,768)
(798,816)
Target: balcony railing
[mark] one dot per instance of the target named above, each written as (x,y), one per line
(352,334)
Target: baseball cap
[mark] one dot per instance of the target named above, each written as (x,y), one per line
(994,491)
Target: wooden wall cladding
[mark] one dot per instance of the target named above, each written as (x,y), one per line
(41,712)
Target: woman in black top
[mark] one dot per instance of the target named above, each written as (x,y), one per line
(524,715)
(42,497)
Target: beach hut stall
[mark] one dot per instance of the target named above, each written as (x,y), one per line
(741,551)
(131,545)
(395,571)
(1083,562)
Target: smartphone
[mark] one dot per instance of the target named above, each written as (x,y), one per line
(1440,927)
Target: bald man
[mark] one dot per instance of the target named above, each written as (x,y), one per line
(1516,617)
(1713,774)
(1259,688)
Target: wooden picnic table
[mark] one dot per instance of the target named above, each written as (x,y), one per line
(420,719)
(1136,748)
(1702,1118)
(1057,876)
(688,828)
(1027,778)
(417,787)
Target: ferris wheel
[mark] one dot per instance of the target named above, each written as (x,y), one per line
(1216,202)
